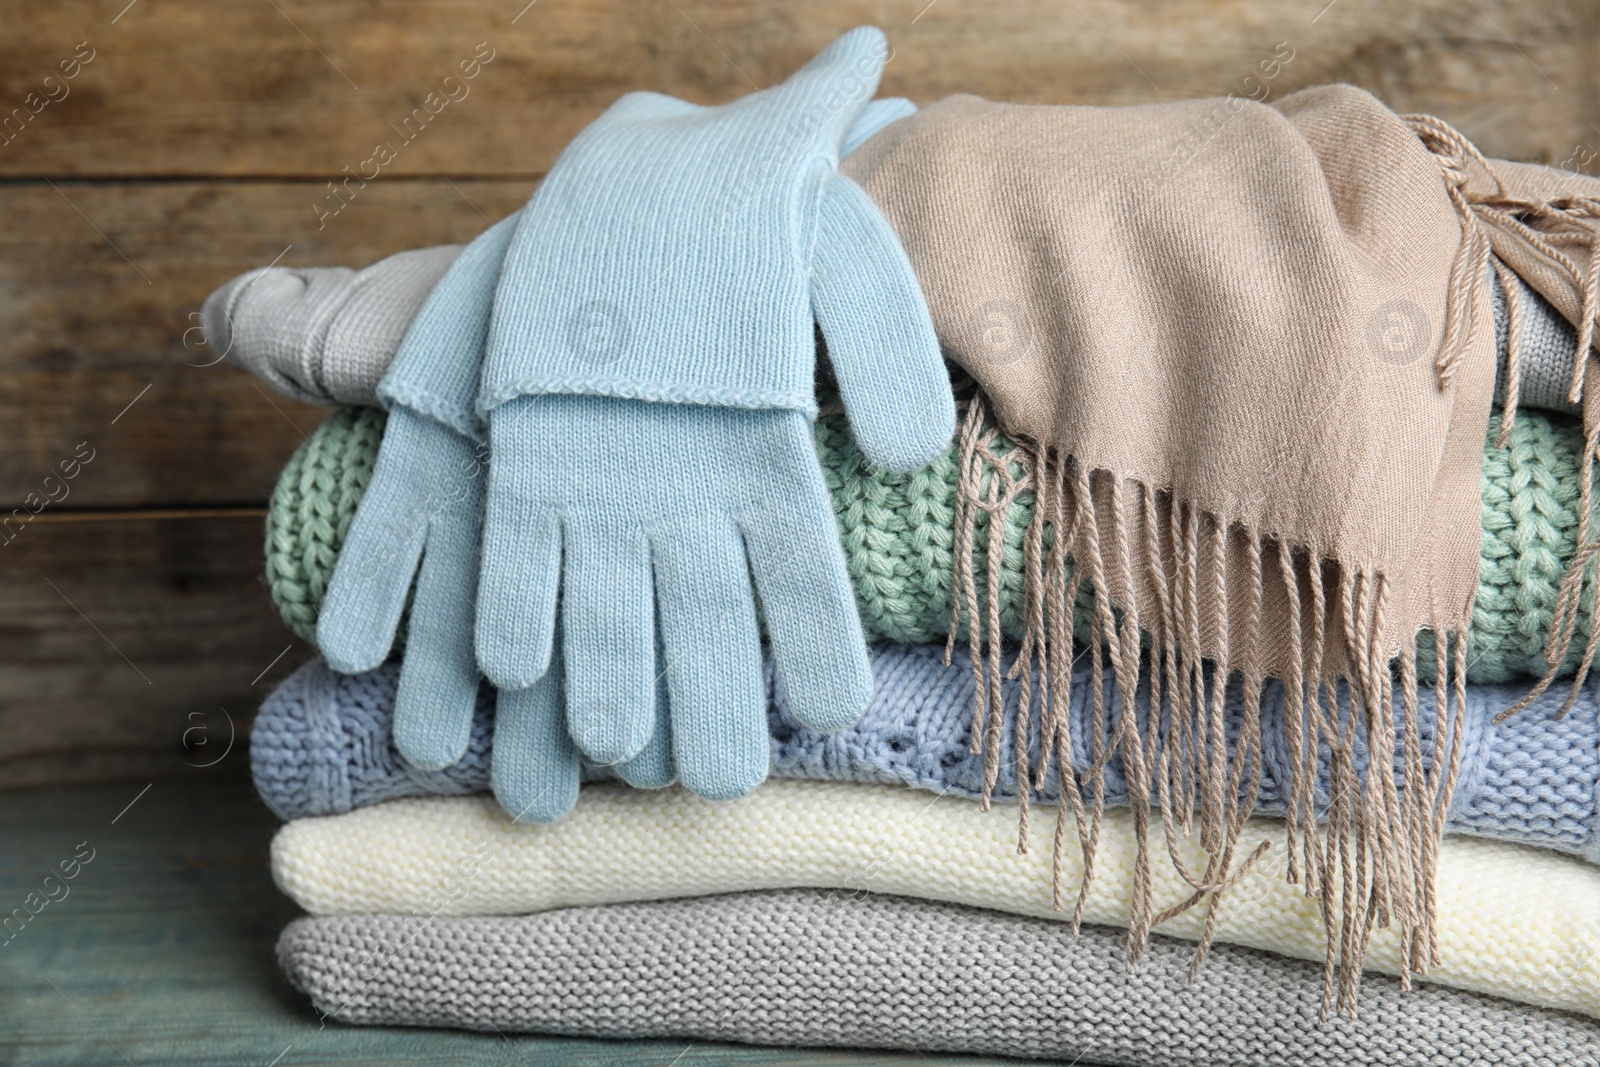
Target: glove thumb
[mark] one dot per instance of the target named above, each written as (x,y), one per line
(832,90)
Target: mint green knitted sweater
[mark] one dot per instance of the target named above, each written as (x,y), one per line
(898,534)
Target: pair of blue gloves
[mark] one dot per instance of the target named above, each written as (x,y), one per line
(599,458)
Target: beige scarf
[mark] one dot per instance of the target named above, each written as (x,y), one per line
(1249,353)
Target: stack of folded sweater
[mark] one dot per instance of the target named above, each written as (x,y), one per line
(867,894)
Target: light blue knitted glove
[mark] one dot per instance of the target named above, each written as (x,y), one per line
(534,768)
(648,386)
(430,507)
(425,503)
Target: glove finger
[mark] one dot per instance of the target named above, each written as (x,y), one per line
(881,341)
(820,650)
(370,583)
(842,77)
(518,582)
(873,118)
(654,768)
(713,660)
(439,677)
(533,767)
(608,639)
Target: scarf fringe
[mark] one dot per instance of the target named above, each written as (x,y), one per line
(1368,855)
(1545,227)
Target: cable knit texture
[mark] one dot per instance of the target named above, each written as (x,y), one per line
(321,747)
(897,532)
(1513,922)
(1529,534)
(855,970)
(311,510)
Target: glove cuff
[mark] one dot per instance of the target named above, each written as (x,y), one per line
(701,395)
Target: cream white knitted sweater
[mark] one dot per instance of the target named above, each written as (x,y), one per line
(1515,922)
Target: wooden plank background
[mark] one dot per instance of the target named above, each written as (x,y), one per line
(197,138)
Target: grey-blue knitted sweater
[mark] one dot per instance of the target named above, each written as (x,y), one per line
(321,746)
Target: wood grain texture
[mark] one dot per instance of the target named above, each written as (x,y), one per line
(203,88)
(134,646)
(100,284)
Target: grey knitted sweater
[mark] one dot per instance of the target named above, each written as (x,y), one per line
(855,970)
